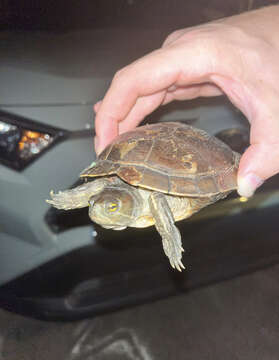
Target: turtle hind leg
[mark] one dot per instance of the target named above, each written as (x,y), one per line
(164,223)
(77,197)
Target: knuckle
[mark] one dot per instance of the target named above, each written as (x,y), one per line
(173,36)
(199,37)
(120,74)
(205,39)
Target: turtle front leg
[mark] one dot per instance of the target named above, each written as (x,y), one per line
(164,223)
(77,197)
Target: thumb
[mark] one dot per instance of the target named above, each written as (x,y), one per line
(258,163)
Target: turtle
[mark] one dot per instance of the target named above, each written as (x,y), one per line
(156,174)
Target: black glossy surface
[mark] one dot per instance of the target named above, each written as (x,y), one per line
(129,267)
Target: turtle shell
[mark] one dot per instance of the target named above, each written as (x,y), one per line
(172,158)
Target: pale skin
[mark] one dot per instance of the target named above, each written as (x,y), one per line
(236,56)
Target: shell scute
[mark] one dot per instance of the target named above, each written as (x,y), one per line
(170,157)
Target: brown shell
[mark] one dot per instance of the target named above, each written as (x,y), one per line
(173,158)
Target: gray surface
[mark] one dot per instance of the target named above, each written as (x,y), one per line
(54,78)
(233,320)
(26,240)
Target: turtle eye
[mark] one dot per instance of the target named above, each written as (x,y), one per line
(112,206)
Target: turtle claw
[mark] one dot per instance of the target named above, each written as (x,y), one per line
(170,234)
(181,265)
(178,265)
(175,258)
(174,253)
(64,200)
(77,197)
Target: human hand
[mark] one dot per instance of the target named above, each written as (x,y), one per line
(238,56)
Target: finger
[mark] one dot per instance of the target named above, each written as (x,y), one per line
(177,34)
(192,92)
(174,36)
(144,106)
(258,163)
(151,74)
(136,80)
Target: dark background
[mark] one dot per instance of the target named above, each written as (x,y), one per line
(70,14)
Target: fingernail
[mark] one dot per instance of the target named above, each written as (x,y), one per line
(248,184)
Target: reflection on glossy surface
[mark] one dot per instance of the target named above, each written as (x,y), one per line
(129,267)
(122,344)
(233,317)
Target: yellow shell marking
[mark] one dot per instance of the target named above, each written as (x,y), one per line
(124,148)
(191,166)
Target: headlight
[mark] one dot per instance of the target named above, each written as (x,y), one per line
(23,140)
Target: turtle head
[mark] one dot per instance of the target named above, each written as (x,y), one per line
(114,208)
